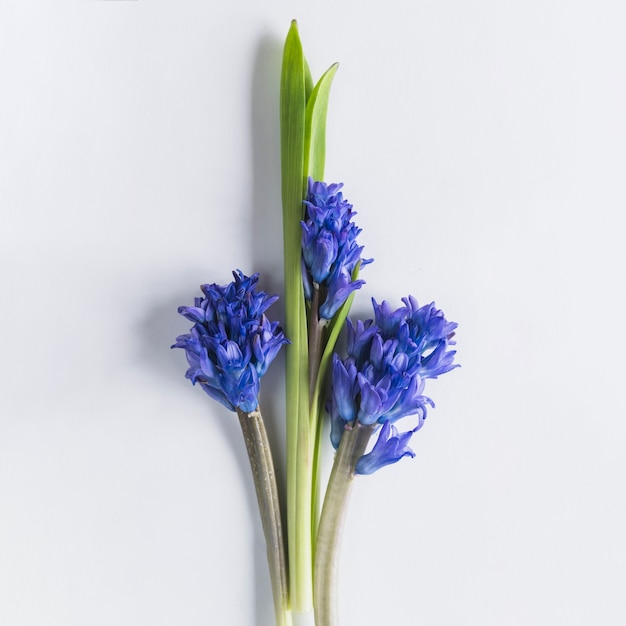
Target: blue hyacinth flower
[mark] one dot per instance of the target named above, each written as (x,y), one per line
(330,253)
(382,379)
(231,343)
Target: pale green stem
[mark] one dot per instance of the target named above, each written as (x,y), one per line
(262,465)
(316,346)
(325,580)
(304,619)
(299,472)
(317,422)
(300,540)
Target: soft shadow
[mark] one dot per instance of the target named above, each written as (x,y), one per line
(160,328)
(158,332)
(266,219)
(265,195)
(266,245)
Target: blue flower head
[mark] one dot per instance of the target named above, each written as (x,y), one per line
(382,379)
(330,253)
(231,343)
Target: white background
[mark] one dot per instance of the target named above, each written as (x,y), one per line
(483,146)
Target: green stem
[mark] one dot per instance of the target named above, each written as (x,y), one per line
(317,423)
(295,86)
(316,346)
(260,456)
(316,328)
(329,339)
(352,446)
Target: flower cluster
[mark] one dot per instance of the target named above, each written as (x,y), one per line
(330,253)
(382,379)
(231,343)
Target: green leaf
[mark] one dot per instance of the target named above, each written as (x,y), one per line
(292,130)
(293,94)
(292,127)
(315,129)
(308,80)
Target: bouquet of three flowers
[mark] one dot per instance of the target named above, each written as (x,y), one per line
(368,392)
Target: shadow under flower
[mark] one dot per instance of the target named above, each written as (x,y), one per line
(266,246)
(159,329)
(158,332)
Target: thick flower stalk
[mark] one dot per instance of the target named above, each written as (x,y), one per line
(229,348)
(379,382)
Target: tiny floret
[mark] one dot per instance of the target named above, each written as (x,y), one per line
(231,343)
(389,448)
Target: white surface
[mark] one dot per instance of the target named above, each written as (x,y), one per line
(483,145)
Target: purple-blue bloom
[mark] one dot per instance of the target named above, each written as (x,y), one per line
(231,343)
(382,379)
(389,448)
(330,253)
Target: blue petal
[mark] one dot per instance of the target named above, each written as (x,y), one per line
(340,286)
(337,428)
(192,313)
(370,402)
(389,448)
(343,389)
(218,394)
